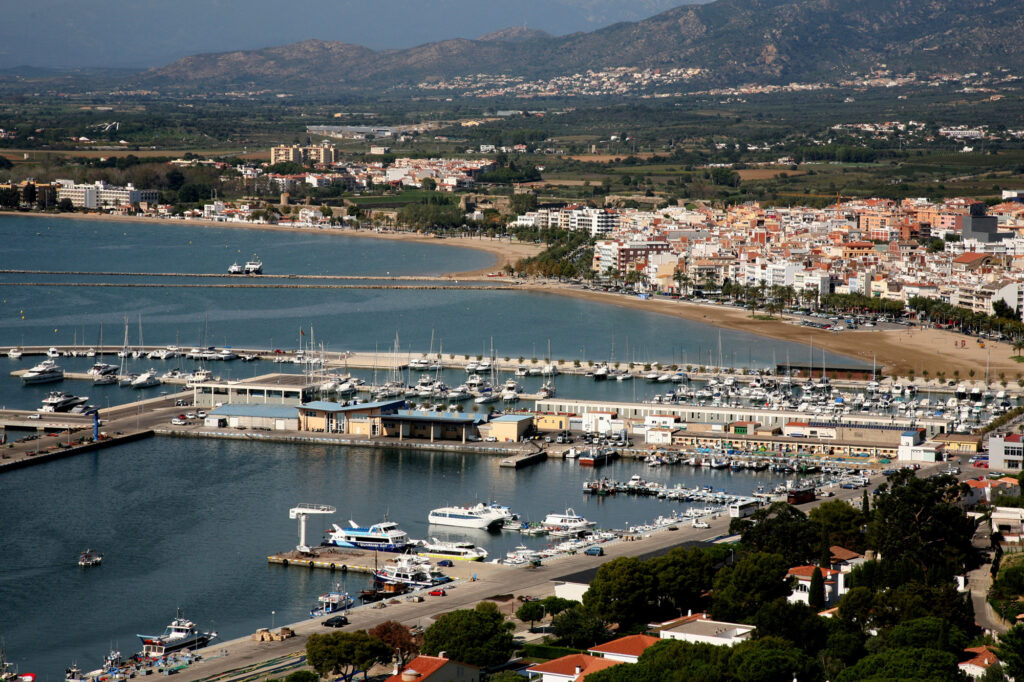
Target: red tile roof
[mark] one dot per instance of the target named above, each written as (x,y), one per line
(843,554)
(633,645)
(425,666)
(808,571)
(970,257)
(566,665)
(984,657)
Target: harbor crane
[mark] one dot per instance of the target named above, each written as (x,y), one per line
(302,512)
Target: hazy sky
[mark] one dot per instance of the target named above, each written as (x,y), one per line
(143,33)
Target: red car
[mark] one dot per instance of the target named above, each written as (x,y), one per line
(439,592)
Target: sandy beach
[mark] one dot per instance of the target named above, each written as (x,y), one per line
(898,351)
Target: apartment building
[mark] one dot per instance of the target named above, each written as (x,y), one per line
(317,154)
(101,195)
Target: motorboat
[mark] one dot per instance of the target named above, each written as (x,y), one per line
(198,377)
(465,551)
(385,537)
(104,380)
(254,266)
(9,671)
(331,602)
(101,368)
(14,353)
(569,521)
(45,372)
(146,379)
(89,558)
(59,401)
(411,570)
(236,269)
(53,352)
(477,516)
(181,634)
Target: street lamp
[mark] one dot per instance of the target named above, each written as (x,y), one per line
(272,615)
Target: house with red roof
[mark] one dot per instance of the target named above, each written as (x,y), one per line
(436,669)
(982,658)
(573,668)
(699,628)
(624,649)
(835,584)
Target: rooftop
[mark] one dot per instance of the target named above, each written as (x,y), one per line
(567,666)
(265,411)
(633,645)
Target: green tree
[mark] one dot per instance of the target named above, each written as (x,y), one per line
(741,589)
(555,605)
(65,205)
(530,612)
(429,184)
(920,529)
(523,202)
(624,592)
(479,636)
(345,653)
(578,627)
(841,523)
(9,197)
(1011,651)
(779,529)
(29,193)
(685,576)
(904,664)
(816,591)
(770,659)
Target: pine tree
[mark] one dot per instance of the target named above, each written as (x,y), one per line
(816,595)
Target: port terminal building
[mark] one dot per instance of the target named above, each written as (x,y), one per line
(268,389)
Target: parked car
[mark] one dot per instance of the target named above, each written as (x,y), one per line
(336,622)
(594,551)
(439,592)
(445,563)
(178,421)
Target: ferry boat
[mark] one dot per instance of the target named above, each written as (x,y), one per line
(569,521)
(332,602)
(466,551)
(384,537)
(90,557)
(478,516)
(254,266)
(235,269)
(180,634)
(411,570)
(59,401)
(45,372)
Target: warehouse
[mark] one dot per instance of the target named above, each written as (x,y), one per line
(259,417)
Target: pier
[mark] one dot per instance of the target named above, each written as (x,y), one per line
(520,461)
(330,558)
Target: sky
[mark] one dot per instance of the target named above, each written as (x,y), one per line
(145,33)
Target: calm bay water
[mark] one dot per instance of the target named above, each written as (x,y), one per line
(189,523)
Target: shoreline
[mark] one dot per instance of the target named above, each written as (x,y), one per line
(896,351)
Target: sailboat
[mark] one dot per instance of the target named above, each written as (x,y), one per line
(138,351)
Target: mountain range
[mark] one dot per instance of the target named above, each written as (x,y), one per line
(733,41)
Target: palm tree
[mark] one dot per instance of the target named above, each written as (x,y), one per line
(1018,345)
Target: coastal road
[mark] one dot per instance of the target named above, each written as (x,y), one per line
(492,580)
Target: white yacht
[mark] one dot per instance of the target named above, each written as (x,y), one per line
(104,379)
(510,390)
(59,401)
(101,369)
(235,269)
(14,353)
(198,377)
(569,521)
(53,353)
(477,516)
(43,373)
(146,379)
(549,370)
(466,551)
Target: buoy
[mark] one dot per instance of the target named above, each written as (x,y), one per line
(311,564)
(344,568)
(333,567)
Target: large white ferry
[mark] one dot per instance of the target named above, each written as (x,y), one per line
(477,516)
(384,537)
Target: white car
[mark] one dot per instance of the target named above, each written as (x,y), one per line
(177,421)
(201,414)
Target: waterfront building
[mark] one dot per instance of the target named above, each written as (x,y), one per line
(362,419)
(101,195)
(260,417)
(268,389)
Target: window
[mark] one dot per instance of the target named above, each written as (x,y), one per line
(1013,464)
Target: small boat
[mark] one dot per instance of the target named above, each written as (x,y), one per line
(9,671)
(569,521)
(466,551)
(14,353)
(181,634)
(596,457)
(146,379)
(235,269)
(410,570)
(104,380)
(101,368)
(53,352)
(90,557)
(331,602)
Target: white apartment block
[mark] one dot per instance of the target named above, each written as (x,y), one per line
(100,194)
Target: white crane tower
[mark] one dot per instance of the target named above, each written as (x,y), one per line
(301,512)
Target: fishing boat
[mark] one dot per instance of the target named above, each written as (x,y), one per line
(410,570)
(384,537)
(45,372)
(89,558)
(9,671)
(594,457)
(465,551)
(236,269)
(181,634)
(331,602)
(477,516)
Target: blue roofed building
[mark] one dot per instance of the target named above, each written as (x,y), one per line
(260,417)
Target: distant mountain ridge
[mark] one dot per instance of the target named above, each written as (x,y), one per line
(732,40)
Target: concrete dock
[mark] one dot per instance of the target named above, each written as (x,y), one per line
(520,461)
